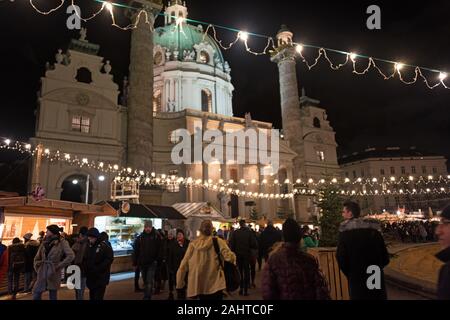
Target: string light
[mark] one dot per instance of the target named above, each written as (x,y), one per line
(243,35)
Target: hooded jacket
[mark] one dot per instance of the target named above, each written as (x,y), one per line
(360,246)
(443,292)
(201,264)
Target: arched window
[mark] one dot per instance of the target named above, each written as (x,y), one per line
(84,75)
(316,122)
(206,101)
(74,189)
(157,101)
(173,16)
(204,57)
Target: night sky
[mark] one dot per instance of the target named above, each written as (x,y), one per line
(365,111)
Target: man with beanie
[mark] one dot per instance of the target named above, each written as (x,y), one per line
(360,246)
(147,252)
(290,273)
(242,242)
(98,260)
(443,233)
(80,249)
(53,256)
(31,249)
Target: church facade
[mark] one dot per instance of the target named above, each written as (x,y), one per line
(80,113)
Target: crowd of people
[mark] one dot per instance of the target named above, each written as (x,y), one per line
(196,269)
(411,231)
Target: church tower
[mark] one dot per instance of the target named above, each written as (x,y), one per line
(284,57)
(140,96)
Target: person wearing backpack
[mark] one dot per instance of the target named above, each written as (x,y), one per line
(201,264)
(16,259)
(53,256)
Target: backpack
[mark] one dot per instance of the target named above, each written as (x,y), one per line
(232,275)
(17,261)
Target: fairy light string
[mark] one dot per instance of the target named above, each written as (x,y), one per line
(403,186)
(322,52)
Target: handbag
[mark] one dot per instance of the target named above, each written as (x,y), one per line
(232,275)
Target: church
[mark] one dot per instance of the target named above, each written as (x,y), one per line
(82,112)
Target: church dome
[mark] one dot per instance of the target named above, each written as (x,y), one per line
(185,39)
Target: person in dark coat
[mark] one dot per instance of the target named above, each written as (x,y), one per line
(290,273)
(80,248)
(242,242)
(268,238)
(3,261)
(17,260)
(175,254)
(147,249)
(360,246)
(98,260)
(31,249)
(443,233)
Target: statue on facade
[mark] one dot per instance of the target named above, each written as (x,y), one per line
(83,34)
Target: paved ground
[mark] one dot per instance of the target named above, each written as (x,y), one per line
(124,290)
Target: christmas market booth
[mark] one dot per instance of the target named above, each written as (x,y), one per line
(127,222)
(197,212)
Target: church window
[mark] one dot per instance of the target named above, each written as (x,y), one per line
(157,101)
(206,101)
(158,58)
(84,75)
(320,156)
(382,172)
(316,122)
(204,57)
(81,124)
(424,169)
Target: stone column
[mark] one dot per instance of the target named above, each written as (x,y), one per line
(290,104)
(140,99)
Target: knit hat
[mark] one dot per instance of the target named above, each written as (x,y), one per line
(28,236)
(148,224)
(93,232)
(291,231)
(83,231)
(446,213)
(54,229)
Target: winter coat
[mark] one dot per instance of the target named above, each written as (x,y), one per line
(360,246)
(3,261)
(147,249)
(97,264)
(175,255)
(443,292)
(291,274)
(48,265)
(309,242)
(80,249)
(201,264)
(268,238)
(16,257)
(31,249)
(242,242)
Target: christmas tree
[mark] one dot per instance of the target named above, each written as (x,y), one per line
(330,204)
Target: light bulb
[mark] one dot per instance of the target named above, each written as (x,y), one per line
(353,56)
(28,146)
(299,48)
(109,6)
(442,76)
(399,66)
(7,142)
(101,178)
(75,181)
(243,35)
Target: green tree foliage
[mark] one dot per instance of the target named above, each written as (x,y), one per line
(330,204)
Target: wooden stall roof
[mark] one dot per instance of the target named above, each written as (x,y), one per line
(29,205)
